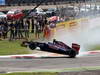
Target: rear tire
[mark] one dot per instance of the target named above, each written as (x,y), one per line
(32,46)
(72,54)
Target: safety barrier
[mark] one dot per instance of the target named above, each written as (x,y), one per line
(71,23)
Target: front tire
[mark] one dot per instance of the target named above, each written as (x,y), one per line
(32,46)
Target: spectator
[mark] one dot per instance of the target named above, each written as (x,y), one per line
(12,29)
(38,30)
(20,29)
(44,23)
(32,21)
(5,28)
(26,30)
(16,29)
(47,32)
(0,31)
(28,22)
(5,31)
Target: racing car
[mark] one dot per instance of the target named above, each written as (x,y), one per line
(54,47)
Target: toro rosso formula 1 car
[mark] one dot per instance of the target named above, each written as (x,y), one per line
(54,47)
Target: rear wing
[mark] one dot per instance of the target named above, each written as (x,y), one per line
(76,46)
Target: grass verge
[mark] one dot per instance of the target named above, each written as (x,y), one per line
(54,72)
(93,47)
(31,73)
(13,47)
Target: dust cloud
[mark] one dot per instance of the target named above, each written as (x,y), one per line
(85,33)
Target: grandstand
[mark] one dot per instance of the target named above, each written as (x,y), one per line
(35,2)
(28,4)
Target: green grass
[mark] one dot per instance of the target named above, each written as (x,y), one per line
(93,47)
(13,47)
(96,47)
(81,69)
(30,73)
(55,72)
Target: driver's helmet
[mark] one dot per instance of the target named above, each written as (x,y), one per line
(54,40)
